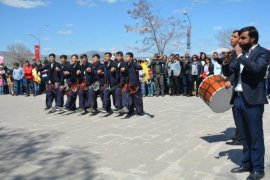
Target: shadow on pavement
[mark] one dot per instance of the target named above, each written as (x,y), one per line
(222,136)
(29,155)
(235,155)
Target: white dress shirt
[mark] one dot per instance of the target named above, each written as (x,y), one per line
(238,87)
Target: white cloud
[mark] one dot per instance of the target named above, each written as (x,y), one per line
(88,3)
(110,1)
(93,3)
(217,28)
(65,32)
(26,4)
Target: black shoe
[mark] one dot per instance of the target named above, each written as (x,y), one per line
(240,169)
(27,95)
(47,108)
(140,114)
(234,142)
(255,175)
(116,110)
(92,110)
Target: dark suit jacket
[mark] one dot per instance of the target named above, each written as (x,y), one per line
(133,74)
(87,76)
(111,77)
(53,75)
(123,76)
(252,75)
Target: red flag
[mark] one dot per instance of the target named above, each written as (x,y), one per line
(37,52)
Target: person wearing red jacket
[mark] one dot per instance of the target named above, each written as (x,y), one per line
(28,77)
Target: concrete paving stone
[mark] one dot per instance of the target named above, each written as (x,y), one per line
(184,140)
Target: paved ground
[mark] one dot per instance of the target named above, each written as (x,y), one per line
(184,140)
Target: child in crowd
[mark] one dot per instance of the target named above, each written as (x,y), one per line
(150,84)
(10,83)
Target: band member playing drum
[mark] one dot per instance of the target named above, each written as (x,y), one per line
(54,79)
(85,82)
(231,54)
(75,75)
(249,98)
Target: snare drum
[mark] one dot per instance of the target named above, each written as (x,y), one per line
(213,92)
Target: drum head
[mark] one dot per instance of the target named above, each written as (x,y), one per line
(220,101)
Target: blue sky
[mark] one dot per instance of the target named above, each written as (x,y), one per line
(77,26)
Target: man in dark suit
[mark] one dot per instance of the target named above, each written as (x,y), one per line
(249,98)
(229,83)
(132,91)
(122,79)
(54,79)
(111,78)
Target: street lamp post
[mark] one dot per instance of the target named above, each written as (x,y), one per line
(38,38)
(188,32)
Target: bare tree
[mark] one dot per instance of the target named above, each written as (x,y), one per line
(158,34)
(224,38)
(19,52)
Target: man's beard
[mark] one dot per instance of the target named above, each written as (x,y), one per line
(246,47)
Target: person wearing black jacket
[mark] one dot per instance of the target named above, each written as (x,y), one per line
(249,98)
(268,81)
(111,78)
(195,73)
(122,80)
(85,82)
(64,68)
(158,66)
(54,80)
(132,91)
(74,70)
(99,84)
(230,81)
